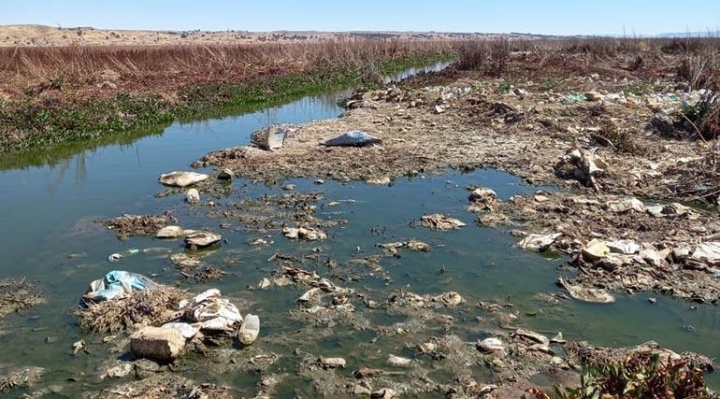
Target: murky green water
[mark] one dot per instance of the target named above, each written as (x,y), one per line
(51,212)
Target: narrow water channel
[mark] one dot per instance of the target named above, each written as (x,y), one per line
(52,211)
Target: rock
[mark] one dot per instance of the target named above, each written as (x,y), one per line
(538,242)
(490,345)
(482,195)
(331,362)
(593,96)
(192,196)
(288,187)
(595,250)
(226,174)
(181,179)
(202,239)
(439,108)
(249,330)
(170,232)
(707,252)
(626,205)
(595,295)
(440,222)
(625,247)
(271,138)
(155,343)
(397,361)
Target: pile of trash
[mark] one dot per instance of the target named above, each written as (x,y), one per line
(164,318)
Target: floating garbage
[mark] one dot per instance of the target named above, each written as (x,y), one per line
(117,284)
(181,179)
(352,139)
(596,295)
(249,330)
(538,242)
(115,257)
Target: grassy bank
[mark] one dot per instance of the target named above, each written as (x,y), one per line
(65,110)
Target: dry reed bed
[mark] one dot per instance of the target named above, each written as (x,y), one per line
(144,67)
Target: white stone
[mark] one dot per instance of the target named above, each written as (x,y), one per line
(192,196)
(157,343)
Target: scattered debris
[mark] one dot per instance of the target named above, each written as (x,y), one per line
(127,225)
(304,233)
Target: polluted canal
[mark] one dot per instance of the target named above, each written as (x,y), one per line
(380,294)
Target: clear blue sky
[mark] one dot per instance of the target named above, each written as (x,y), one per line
(615,17)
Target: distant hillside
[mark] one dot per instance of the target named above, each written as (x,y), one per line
(689,34)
